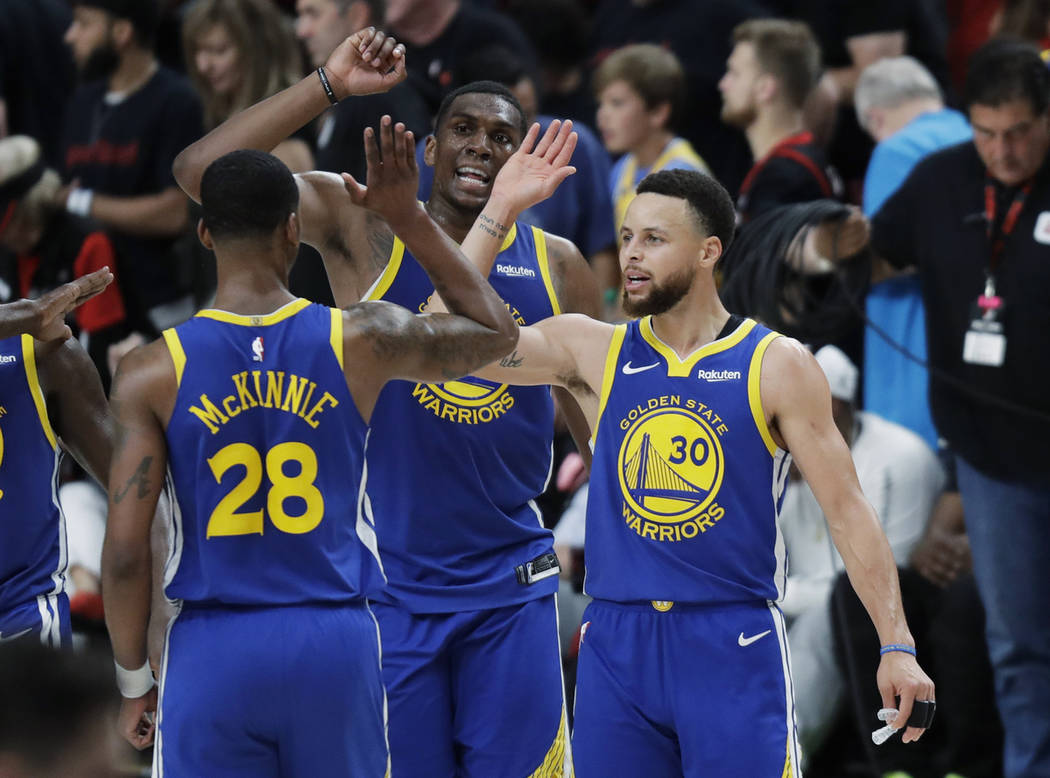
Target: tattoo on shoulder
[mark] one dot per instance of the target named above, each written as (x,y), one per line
(492,227)
(513,359)
(140,478)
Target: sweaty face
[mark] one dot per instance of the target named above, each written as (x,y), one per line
(738,86)
(476,137)
(659,251)
(623,118)
(320,27)
(218,61)
(90,39)
(1011,139)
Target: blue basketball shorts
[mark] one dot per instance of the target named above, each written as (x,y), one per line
(689,691)
(272,692)
(45,618)
(477,694)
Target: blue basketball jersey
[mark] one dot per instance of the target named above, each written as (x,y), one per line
(456,466)
(32,528)
(687,482)
(266,452)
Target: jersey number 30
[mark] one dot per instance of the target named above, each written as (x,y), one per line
(227,518)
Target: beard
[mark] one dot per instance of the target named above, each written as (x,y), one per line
(662,297)
(740,117)
(102,62)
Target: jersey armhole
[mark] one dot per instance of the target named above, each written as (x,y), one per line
(545,268)
(178,356)
(35,390)
(612,357)
(386,279)
(336,335)
(754,392)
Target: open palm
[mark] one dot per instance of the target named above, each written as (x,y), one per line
(535,170)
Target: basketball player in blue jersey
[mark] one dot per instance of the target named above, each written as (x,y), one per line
(258,409)
(51,400)
(470,651)
(683,660)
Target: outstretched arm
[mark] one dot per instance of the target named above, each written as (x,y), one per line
(44,317)
(135,484)
(366,62)
(796,397)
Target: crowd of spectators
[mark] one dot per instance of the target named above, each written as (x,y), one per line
(902,109)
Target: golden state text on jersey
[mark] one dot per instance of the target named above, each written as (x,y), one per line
(266,453)
(687,482)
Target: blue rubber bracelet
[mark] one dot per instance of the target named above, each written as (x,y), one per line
(903,648)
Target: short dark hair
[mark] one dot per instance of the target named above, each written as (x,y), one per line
(1004,70)
(247,194)
(144,16)
(482,88)
(707,199)
(494,63)
(787,50)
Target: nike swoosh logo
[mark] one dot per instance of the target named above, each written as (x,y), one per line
(628,370)
(748,641)
(4,638)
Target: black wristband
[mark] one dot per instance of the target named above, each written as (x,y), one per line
(327,87)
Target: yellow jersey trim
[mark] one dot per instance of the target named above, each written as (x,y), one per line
(178,356)
(386,278)
(29,358)
(336,335)
(788,772)
(545,268)
(754,391)
(554,760)
(677,148)
(611,358)
(512,233)
(286,311)
(677,367)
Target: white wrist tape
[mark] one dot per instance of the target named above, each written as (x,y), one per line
(134,683)
(79,201)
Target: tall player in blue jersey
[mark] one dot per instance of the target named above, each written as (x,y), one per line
(258,409)
(470,651)
(683,661)
(51,399)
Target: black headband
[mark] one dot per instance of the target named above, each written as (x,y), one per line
(14,188)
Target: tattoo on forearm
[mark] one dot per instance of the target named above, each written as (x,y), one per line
(492,227)
(140,477)
(512,360)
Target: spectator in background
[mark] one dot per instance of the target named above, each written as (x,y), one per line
(980,244)
(899,104)
(902,479)
(124,127)
(238,52)
(641,90)
(699,34)
(322,25)
(773,69)
(580,209)
(557,30)
(439,35)
(36,72)
(52,246)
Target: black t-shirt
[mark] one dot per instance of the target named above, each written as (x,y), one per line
(936,222)
(36,70)
(700,35)
(794,171)
(432,69)
(126,149)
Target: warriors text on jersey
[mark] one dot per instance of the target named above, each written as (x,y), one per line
(266,454)
(455,467)
(687,482)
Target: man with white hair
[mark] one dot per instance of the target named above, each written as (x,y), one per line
(902,478)
(900,105)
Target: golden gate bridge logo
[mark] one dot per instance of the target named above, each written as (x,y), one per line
(670,465)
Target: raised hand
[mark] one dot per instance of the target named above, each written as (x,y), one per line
(535,170)
(49,310)
(368,61)
(392,175)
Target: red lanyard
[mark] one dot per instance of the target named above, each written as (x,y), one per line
(1009,220)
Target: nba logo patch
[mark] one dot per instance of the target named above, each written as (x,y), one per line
(257,349)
